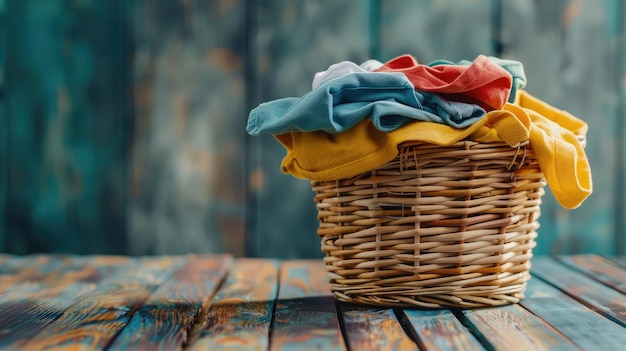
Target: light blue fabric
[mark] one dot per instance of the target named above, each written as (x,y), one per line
(387,98)
(515,68)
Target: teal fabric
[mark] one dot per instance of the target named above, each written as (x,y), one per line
(388,99)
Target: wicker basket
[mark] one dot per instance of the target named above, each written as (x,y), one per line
(437,226)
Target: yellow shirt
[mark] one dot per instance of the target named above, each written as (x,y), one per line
(553,135)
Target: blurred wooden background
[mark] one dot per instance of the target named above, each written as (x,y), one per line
(122,121)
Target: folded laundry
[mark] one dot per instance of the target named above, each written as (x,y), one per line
(483,82)
(338,104)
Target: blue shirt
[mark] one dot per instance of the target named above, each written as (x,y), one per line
(387,98)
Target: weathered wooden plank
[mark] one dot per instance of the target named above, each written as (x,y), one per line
(441,330)
(292,41)
(92,323)
(240,314)
(618,28)
(38,272)
(597,296)
(187,149)
(305,316)
(27,307)
(621,260)
(371,328)
(4,128)
(583,326)
(599,268)
(445,29)
(166,317)
(26,268)
(66,93)
(513,328)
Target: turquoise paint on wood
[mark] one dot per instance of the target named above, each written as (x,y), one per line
(569,55)
(580,324)
(165,320)
(94,322)
(292,42)
(511,327)
(121,122)
(240,313)
(602,299)
(439,329)
(187,155)
(4,125)
(67,87)
(304,302)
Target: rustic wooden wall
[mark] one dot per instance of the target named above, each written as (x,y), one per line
(122,122)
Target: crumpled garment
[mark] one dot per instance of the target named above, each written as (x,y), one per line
(483,82)
(337,105)
(554,136)
(515,69)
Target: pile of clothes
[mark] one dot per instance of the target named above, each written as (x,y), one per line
(355,117)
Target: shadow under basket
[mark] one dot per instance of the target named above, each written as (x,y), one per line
(437,226)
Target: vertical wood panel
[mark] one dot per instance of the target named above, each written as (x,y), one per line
(4,125)
(293,41)
(431,30)
(619,7)
(65,72)
(122,122)
(569,55)
(186,191)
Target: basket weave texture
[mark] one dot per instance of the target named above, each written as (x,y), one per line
(437,226)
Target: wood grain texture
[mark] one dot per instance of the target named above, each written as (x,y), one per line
(580,324)
(164,320)
(513,328)
(38,272)
(29,306)
(441,330)
(598,268)
(239,316)
(305,315)
(124,119)
(620,260)
(369,328)
(93,323)
(597,296)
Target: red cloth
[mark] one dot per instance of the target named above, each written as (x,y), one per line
(483,82)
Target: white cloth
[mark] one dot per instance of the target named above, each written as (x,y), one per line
(335,71)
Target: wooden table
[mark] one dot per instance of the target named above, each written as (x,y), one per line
(215,302)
